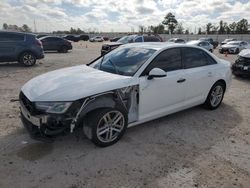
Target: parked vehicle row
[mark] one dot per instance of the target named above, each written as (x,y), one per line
(132,84)
(76,38)
(107,47)
(233,47)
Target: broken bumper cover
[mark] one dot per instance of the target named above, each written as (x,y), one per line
(43,127)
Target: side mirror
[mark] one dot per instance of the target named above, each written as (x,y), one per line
(156,73)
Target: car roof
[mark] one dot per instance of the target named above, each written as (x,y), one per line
(157,45)
(17,32)
(45,37)
(236,41)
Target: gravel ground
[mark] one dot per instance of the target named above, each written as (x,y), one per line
(192,148)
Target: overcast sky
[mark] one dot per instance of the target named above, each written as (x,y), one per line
(118,15)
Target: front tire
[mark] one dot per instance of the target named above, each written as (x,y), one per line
(107,125)
(237,51)
(27,59)
(215,96)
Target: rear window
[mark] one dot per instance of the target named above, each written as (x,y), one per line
(9,37)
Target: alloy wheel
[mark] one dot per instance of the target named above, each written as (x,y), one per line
(110,126)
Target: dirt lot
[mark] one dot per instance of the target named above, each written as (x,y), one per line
(192,148)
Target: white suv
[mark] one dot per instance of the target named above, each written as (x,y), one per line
(132,84)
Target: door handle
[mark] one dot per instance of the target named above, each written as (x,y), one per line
(181,80)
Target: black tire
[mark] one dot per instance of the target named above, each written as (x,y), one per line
(27,59)
(209,103)
(63,49)
(237,51)
(95,120)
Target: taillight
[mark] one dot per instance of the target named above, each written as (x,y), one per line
(39,43)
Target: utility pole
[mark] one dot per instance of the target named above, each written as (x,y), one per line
(35,26)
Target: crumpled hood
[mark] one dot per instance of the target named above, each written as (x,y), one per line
(245,53)
(229,46)
(73,83)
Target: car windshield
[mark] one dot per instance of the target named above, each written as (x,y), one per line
(123,61)
(234,43)
(126,39)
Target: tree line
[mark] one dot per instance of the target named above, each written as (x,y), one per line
(23,28)
(174,27)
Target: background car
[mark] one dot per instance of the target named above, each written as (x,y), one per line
(107,47)
(177,40)
(241,67)
(71,38)
(204,44)
(96,39)
(40,36)
(132,84)
(227,41)
(83,37)
(22,47)
(233,47)
(114,39)
(211,41)
(56,44)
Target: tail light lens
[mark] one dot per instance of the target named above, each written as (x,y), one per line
(39,43)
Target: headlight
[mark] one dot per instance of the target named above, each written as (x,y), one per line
(53,107)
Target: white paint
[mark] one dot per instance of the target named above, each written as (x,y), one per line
(158,97)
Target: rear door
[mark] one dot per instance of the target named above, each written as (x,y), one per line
(9,45)
(199,71)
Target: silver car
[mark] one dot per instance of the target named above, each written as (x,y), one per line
(203,44)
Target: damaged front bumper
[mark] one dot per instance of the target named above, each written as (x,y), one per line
(43,127)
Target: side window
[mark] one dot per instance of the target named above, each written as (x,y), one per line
(139,39)
(193,57)
(168,60)
(151,39)
(10,37)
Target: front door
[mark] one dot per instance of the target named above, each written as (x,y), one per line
(161,96)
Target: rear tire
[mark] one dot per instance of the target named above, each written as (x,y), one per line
(107,125)
(215,96)
(63,49)
(27,59)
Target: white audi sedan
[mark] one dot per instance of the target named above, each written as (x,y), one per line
(132,84)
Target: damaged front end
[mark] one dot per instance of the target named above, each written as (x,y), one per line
(43,123)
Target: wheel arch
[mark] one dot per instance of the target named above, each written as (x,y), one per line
(221,81)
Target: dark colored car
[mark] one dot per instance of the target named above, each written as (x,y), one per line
(41,35)
(177,40)
(211,41)
(56,44)
(105,38)
(107,47)
(72,38)
(83,37)
(22,47)
(241,67)
(115,39)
